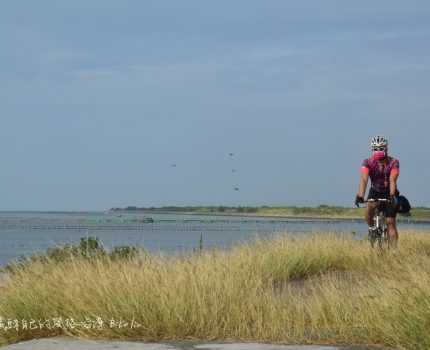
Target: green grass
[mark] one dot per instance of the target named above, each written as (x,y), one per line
(320,289)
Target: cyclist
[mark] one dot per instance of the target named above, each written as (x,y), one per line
(383,171)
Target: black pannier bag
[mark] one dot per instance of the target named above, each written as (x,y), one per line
(403,205)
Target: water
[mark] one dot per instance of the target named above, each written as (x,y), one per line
(28,233)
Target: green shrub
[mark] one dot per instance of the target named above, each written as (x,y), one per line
(87,248)
(125,252)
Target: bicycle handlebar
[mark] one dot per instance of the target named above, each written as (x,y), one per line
(374,200)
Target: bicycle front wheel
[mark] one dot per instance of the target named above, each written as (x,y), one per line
(383,240)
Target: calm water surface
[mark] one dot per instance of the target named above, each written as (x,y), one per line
(27,233)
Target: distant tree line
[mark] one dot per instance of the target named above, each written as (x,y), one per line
(220,208)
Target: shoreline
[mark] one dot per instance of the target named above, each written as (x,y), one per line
(273,216)
(400,218)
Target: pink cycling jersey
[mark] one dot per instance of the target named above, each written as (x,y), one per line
(380,175)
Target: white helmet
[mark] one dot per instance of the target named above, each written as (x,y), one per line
(378,141)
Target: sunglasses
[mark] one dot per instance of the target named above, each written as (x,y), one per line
(379,148)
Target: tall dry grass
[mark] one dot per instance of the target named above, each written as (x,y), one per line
(321,289)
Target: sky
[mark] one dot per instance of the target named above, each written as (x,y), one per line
(114,103)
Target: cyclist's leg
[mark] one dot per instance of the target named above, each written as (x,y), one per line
(393,235)
(371,207)
(369,213)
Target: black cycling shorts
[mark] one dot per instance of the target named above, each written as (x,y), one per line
(389,208)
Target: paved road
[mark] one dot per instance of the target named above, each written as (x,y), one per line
(66,343)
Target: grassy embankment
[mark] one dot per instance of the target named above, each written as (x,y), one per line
(334,212)
(322,289)
(322,211)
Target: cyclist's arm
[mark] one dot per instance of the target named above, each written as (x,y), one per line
(363,184)
(393,182)
(394,174)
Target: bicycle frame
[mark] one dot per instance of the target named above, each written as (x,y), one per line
(378,232)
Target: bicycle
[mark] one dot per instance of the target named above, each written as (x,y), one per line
(378,232)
